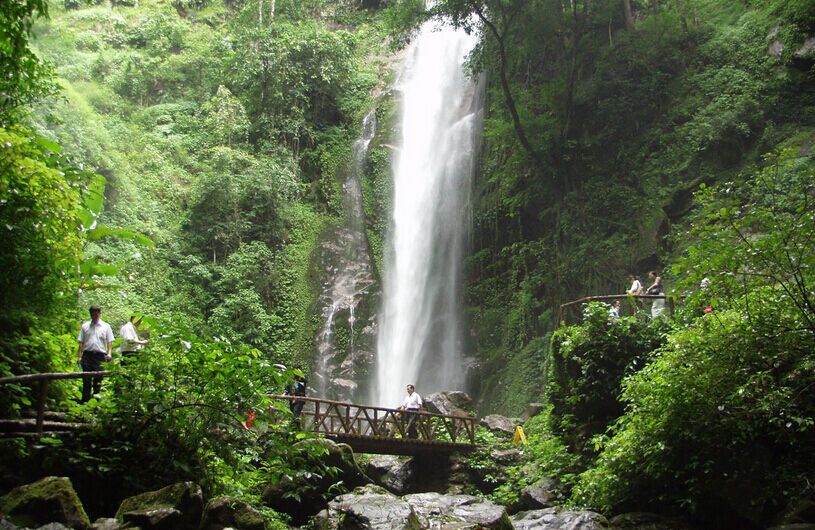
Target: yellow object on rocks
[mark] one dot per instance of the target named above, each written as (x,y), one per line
(519,436)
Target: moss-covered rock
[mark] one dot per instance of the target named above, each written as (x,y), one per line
(224,512)
(52,499)
(178,506)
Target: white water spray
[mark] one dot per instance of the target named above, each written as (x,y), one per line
(419,338)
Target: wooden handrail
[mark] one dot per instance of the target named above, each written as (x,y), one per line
(52,376)
(44,379)
(611,297)
(370,422)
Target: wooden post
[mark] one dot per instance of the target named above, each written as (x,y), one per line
(41,405)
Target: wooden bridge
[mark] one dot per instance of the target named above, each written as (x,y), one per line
(365,429)
(386,431)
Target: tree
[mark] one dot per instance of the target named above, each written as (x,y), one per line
(497,17)
(23,76)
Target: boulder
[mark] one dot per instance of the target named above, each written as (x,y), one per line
(559,519)
(369,508)
(229,512)
(393,473)
(532,410)
(807,50)
(646,521)
(52,499)
(506,456)
(110,523)
(344,388)
(175,507)
(451,403)
(799,511)
(54,526)
(436,510)
(5,524)
(498,423)
(539,495)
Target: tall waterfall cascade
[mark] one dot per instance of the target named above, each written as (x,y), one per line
(347,278)
(419,328)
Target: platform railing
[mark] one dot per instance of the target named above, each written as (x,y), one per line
(629,303)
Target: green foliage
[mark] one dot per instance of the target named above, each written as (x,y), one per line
(176,412)
(292,76)
(589,362)
(728,399)
(41,193)
(545,458)
(23,76)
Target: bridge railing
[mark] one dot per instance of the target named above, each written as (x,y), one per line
(630,304)
(349,420)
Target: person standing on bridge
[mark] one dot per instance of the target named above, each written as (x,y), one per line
(412,405)
(95,339)
(297,388)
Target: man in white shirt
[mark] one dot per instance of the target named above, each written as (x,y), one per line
(130,338)
(411,405)
(95,339)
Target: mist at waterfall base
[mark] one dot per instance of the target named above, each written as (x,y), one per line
(419,328)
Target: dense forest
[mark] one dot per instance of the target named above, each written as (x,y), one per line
(183,161)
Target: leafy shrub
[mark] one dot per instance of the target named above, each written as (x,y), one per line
(722,418)
(177,411)
(589,362)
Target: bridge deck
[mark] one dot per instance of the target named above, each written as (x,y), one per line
(382,430)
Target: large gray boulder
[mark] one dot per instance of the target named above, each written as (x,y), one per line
(50,500)
(229,512)
(175,507)
(368,508)
(506,457)
(436,510)
(111,523)
(498,423)
(450,403)
(532,410)
(646,521)
(541,494)
(394,473)
(559,519)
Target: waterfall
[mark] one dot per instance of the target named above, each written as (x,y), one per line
(347,277)
(419,337)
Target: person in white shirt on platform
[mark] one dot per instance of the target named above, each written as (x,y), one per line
(95,339)
(411,405)
(130,338)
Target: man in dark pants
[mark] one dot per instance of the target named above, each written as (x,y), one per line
(95,339)
(297,388)
(412,405)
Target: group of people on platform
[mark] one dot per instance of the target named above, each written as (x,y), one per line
(636,288)
(96,346)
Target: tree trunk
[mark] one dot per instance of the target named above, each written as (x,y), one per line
(629,15)
(510,101)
